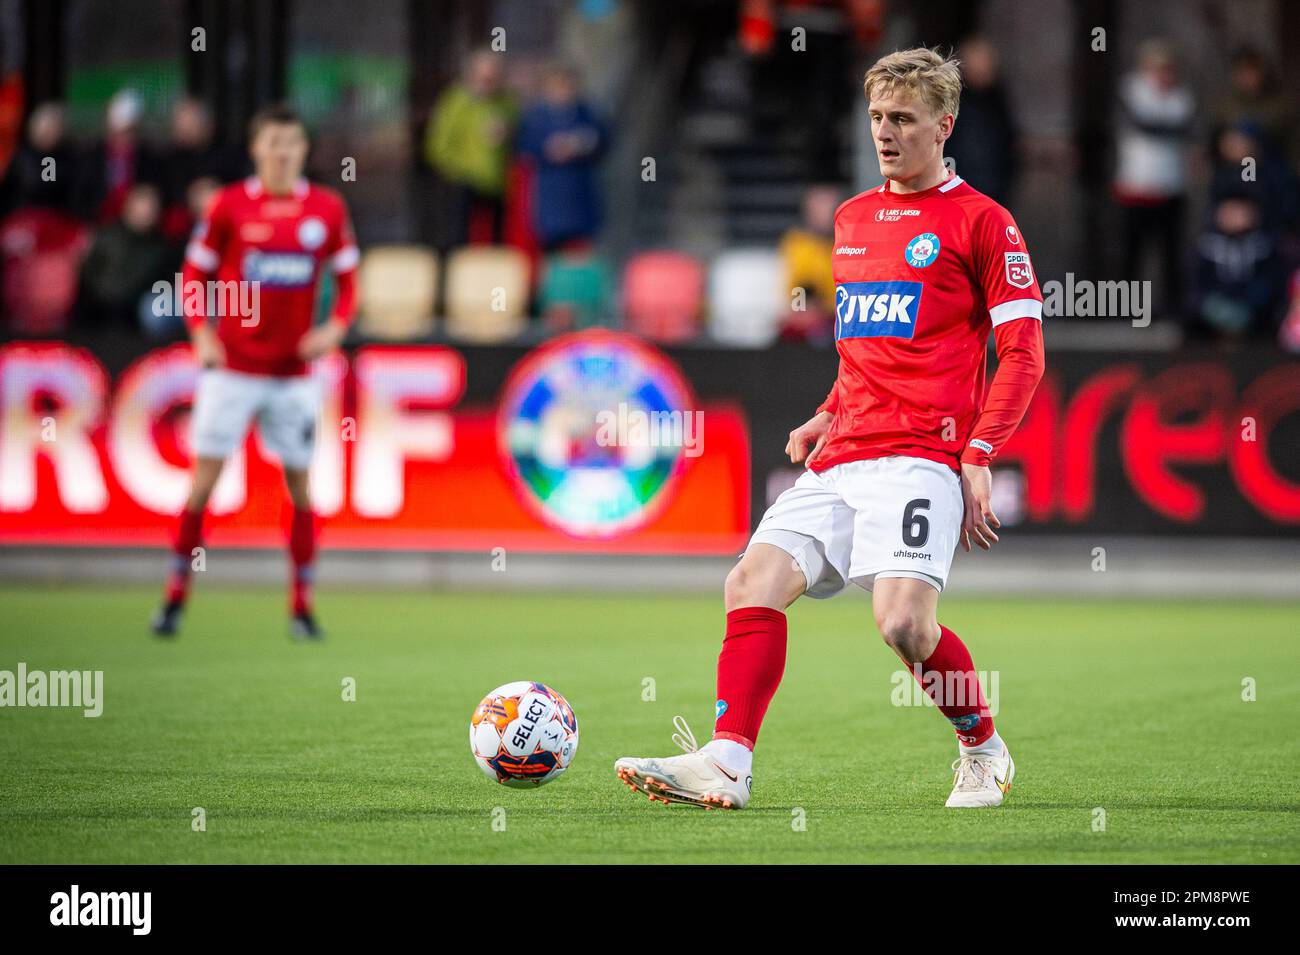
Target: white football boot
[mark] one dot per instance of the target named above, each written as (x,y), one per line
(981,780)
(696,779)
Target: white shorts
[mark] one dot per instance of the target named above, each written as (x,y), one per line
(286,409)
(884,517)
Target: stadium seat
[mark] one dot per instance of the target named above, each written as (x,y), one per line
(662,295)
(575,292)
(398,286)
(747,297)
(487,294)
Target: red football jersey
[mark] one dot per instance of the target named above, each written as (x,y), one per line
(920,281)
(279,242)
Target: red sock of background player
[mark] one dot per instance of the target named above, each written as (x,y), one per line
(302,554)
(948,675)
(189,535)
(750,667)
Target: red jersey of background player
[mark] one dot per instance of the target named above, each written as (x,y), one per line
(280,242)
(920,279)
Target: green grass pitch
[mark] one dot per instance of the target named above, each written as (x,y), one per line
(1134,708)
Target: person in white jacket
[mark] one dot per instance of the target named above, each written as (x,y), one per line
(1153,138)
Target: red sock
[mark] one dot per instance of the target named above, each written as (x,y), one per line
(948,675)
(302,553)
(189,535)
(750,667)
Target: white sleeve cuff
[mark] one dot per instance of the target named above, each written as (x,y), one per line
(201,257)
(345,259)
(1019,308)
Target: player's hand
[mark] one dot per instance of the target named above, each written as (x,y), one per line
(322,340)
(208,350)
(978,522)
(814,432)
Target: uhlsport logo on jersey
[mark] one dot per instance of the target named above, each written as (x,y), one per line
(876,309)
(922,250)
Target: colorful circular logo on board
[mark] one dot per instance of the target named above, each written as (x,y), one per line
(590,428)
(922,250)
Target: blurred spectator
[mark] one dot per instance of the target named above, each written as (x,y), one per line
(40,251)
(564,140)
(1239,278)
(985,142)
(114,165)
(1256,96)
(806,254)
(1289,335)
(467,141)
(192,153)
(125,259)
(30,180)
(1156,111)
(1269,179)
(199,196)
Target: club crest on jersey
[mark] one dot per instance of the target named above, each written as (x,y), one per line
(311,233)
(922,250)
(876,309)
(1019,272)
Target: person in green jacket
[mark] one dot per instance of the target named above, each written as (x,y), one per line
(467,141)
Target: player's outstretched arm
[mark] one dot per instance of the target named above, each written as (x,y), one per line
(202,256)
(978,522)
(208,350)
(325,338)
(811,432)
(322,339)
(1020,368)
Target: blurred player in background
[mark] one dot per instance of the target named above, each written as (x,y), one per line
(925,268)
(264,241)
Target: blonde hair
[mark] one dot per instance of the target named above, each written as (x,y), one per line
(926,73)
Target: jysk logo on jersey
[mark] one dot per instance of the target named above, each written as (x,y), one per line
(279,269)
(922,250)
(876,309)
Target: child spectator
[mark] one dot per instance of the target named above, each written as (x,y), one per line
(125,259)
(1239,278)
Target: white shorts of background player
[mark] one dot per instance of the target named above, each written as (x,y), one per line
(286,410)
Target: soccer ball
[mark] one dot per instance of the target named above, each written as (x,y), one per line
(523,734)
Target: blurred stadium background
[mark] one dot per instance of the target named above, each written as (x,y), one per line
(560,199)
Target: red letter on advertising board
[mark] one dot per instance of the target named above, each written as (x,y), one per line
(1150,441)
(1268,399)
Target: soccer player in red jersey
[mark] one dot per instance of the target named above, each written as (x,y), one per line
(898,473)
(256,261)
